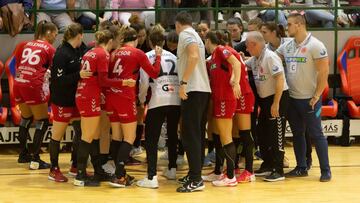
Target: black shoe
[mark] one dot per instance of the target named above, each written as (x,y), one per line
(263,172)
(297,172)
(325,176)
(191,186)
(275,176)
(184,179)
(86,181)
(24,157)
(36,163)
(129,179)
(102,175)
(132,162)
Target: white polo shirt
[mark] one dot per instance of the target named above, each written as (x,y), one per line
(301,73)
(264,69)
(199,80)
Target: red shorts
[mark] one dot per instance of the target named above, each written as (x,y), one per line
(64,114)
(88,106)
(120,109)
(31,95)
(224,108)
(245,104)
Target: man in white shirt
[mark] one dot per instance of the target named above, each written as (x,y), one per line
(195,93)
(307,69)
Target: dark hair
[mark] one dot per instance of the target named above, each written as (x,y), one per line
(72,31)
(279,29)
(184,18)
(103,36)
(205,22)
(156,36)
(172,37)
(298,17)
(129,34)
(235,21)
(43,28)
(256,21)
(219,37)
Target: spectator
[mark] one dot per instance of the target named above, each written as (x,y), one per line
(139,27)
(203,28)
(236,29)
(16,23)
(269,15)
(123,17)
(87,18)
(61,18)
(253,25)
(231,4)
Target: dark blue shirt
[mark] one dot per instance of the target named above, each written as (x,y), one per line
(28,4)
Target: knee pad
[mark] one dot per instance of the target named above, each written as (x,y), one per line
(26,122)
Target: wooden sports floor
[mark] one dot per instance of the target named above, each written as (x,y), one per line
(18,184)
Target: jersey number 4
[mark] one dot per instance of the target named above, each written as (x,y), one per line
(118,68)
(30,56)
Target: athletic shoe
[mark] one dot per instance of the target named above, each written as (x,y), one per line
(73,171)
(86,181)
(56,175)
(225,182)
(274,177)
(237,15)
(184,179)
(257,155)
(191,186)
(212,177)
(165,155)
(246,177)
(109,167)
(38,164)
(136,151)
(237,172)
(180,160)
(101,175)
(132,162)
(122,181)
(262,172)
(286,163)
(325,176)
(297,172)
(24,157)
(220,17)
(147,183)
(170,174)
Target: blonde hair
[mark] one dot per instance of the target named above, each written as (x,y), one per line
(103,36)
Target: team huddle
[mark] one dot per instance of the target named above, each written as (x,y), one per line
(199,80)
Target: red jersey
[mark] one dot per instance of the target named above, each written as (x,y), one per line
(220,74)
(32,62)
(95,60)
(125,64)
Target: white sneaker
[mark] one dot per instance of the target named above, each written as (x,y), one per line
(211,177)
(165,155)
(180,160)
(109,167)
(220,17)
(237,15)
(170,174)
(34,165)
(225,182)
(146,183)
(136,151)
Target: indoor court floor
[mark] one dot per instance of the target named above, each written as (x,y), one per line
(18,184)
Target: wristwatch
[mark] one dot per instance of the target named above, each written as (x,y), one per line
(183,82)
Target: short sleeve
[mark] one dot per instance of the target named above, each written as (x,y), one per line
(281,49)
(249,63)
(188,38)
(223,53)
(274,64)
(318,50)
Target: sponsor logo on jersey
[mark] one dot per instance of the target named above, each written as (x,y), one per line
(323,52)
(226,53)
(168,88)
(275,68)
(213,66)
(303,50)
(296,59)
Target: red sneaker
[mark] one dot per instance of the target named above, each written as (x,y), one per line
(73,172)
(56,175)
(246,177)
